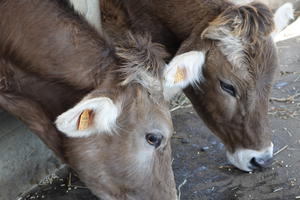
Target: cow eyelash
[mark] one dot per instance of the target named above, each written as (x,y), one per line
(228,88)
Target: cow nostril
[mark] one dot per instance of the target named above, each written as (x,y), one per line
(260,162)
(254,163)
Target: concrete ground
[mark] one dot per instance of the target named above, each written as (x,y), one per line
(24,158)
(200,165)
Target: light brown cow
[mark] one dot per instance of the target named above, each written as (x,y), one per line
(117,137)
(225,62)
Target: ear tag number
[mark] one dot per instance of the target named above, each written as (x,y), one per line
(180,75)
(84,120)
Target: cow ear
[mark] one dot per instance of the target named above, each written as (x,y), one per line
(283,15)
(183,70)
(91,116)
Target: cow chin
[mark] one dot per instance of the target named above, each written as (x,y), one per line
(248,160)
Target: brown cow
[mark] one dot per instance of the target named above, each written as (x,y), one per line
(118,136)
(225,64)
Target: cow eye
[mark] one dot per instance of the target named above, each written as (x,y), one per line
(154,139)
(228,88)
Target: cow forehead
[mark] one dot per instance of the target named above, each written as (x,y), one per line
(158,117)
(146,109)
(240,52)
(250,61)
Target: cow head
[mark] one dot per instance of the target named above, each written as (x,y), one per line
(227,72)
(119,134)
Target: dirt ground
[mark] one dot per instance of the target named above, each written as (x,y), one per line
(200,165)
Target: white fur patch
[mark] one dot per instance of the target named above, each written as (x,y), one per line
(233,49)
(231,46)
(242,157)
(104,119)
(283,15)
(191,63)
(90,9)
(241,2)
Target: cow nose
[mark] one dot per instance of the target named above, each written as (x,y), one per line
(261,162)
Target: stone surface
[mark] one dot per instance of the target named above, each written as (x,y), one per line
(24,159)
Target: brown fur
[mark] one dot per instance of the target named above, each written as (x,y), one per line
(205,25)
(50,59)
(250,22)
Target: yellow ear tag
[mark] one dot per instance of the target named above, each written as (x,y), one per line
(180,75)
(84,120)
